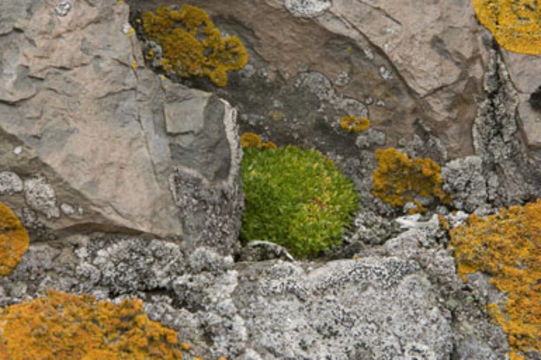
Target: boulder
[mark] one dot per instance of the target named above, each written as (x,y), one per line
(416,69)
(102,143)
(402,61)
(402,300)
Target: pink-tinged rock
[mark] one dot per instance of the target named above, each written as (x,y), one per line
(90,122)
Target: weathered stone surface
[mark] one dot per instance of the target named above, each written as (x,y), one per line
(85,125)
(90,140)
(307,8)
(526,78)
(10,183)
(463,178)
(41,197)
(510,172)
(405,61)
(402,300)
(415,69)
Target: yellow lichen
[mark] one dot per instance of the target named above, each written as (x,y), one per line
(130,32)
(63,326)
(399,180)
(269,145)
(13,240)
(351,123)
(508,248)
(250,139)
(515,24)
(192,45)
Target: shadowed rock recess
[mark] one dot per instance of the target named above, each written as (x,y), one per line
(127,177)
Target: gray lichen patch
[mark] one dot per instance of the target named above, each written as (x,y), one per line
(463,179)
(307,8)
(40,196)
(10,183)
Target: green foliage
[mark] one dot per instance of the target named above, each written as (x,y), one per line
(296,198)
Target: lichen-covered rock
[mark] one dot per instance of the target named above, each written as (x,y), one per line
(10,183)
(515,25)
(510,172)
(526,80)
(41,197)
(84,124)
(13,240)
(395,301)
(402,64)
(70,326)
(463,179)
(399,180)
(191,45)
(307,8)
(474,335)
(370,138)
(507,248)
(399,66)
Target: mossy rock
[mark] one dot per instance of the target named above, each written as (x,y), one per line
(296,198)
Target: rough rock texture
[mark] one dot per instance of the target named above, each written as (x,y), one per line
(464,179)
(416,69)
(102,143)
(402,300)
(403,64)
(526,78)
(511,174)
(92,143)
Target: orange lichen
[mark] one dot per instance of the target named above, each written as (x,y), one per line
(269,145)
(399,180)
(515,24)
(351,123)
(13,240)
(192,45)
(63,326)
(508,248)
(250,139)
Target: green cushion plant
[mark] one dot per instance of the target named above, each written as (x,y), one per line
(296,198)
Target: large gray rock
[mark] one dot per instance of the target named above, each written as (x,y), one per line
(402,300)
(100,142)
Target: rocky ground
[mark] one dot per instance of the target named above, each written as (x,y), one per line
(128,181)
